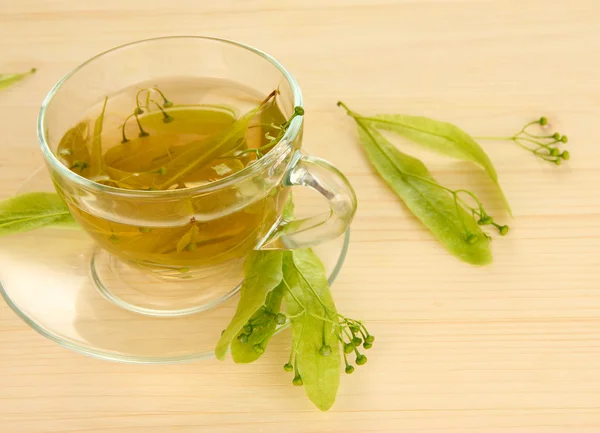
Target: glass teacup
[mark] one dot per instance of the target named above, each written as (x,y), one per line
(150,260)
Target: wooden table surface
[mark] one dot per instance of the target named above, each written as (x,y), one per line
(513,347)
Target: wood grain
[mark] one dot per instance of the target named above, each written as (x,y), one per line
(514,347)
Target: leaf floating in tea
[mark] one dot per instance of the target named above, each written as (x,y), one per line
(32,211)
(197,155)
(7,80)
(188,239)
(73,149)
(96,154)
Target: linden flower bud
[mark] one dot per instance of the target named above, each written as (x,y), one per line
(248,329)
(288,367)
(325,350)
(361,360)
(299,111)
(503,230)
(564,139)
(349,369)
(543,121)
(556,136)
(258,348)
(370,339)
(558,161)
(348,348)
(565,155)
(167,103)
(356,341)
(297,381)
(138,111)
(243,338)
(367,345)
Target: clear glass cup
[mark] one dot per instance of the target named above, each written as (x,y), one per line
(159,285)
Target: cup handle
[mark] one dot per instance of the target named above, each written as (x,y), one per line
(321,176)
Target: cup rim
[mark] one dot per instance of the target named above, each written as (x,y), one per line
(270,157)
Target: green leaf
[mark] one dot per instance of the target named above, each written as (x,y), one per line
(309,298)
(187,238)
(432,205)
(31,211)
(263,328)
(7,80)
(442,137)
(262,273)
(96,154)
(195,156)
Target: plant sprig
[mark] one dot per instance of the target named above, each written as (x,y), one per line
(7,80)
(543,146)
(410,168)
(138,110)
(321,337)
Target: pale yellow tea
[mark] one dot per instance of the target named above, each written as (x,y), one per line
(176,134)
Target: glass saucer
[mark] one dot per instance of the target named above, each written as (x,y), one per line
(46,278)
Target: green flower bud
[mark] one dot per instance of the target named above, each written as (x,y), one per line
(367,345)
(143,134)
(558,161)
(503,230)
(349,369)
(348,348)
(297,381)
(556,136)
(299,111)
(167,119)
(280,319)
(248,329)
(361,360)
(370,339)
(356,341)
(554,151)
(288,367)
(543,121)
(564,139)
(243,338)
(355,329)
(325,350)
(471,238)
(167,103)
(258,348)
(138,111)
(565,155)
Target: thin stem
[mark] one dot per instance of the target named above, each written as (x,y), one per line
(493,138)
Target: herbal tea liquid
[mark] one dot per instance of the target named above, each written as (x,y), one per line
(177,134)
